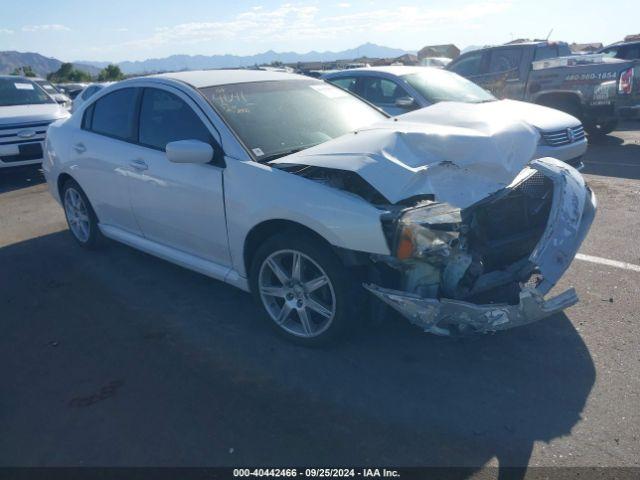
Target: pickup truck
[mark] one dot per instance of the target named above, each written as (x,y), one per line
(596,89)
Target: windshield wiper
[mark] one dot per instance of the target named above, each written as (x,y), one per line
(275,156)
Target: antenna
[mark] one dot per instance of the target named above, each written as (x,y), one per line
(550,32)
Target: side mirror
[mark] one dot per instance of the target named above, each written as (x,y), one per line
(189,151)
(405,102)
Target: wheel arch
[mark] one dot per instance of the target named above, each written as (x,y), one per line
(556,99)
(62,179)
(269,228)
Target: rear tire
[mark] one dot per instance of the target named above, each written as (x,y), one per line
(81,219)
(308,295)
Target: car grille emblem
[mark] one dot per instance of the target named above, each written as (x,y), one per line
(26,133)
(570,135)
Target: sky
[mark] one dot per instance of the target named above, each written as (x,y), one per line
(117,30)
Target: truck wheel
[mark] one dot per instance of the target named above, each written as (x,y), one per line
(601,129)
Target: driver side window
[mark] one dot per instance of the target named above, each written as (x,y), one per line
(166,118)
(381,91)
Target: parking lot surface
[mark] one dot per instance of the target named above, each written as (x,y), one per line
(115,358)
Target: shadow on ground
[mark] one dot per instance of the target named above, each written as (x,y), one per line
(16,178)
(610,156)
(117,358)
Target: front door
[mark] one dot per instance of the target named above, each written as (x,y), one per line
(177,205)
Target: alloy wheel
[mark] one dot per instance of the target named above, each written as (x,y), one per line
(77,214)
(297,293)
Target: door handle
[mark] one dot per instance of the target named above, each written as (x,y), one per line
(80,148)
(139,164)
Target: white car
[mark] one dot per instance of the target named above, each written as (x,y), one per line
(315,201)
(61,98)
(86,93)
(398,90)
(437,62)
(25,114)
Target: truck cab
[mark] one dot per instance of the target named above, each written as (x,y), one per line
(504,70)
(596,89)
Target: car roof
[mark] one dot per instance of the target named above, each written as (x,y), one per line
(398,70)
(212,78)
(621,43)
(16,77)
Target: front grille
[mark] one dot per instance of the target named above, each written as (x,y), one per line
(563,137)
(22,142)
(508,228)
(11,134)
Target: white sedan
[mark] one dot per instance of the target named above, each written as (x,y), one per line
(314,201)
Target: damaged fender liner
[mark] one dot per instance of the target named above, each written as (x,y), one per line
(572,213)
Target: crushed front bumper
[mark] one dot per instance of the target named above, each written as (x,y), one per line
(572,212)
(436,316)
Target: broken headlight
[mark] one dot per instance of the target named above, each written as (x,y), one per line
(426,231)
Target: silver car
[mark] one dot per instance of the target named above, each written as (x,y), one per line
(398,90)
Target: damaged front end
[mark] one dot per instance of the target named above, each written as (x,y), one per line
(488,266)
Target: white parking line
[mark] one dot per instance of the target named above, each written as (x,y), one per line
(609,263)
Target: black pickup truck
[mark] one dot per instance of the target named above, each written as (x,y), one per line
(597,89)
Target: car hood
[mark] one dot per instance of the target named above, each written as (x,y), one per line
(18,114)
(454,151)
(544,118)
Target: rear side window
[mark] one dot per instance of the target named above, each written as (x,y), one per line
(469,65)
(165,118)
(544,51)
(88,92)
(630,52)
(346,83)
(114,114)
(505,60)
(380,91)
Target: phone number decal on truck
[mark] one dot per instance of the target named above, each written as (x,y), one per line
(591,76)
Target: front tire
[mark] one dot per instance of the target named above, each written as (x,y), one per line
(306,292)
(81,219)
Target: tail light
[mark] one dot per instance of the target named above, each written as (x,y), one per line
(625,84)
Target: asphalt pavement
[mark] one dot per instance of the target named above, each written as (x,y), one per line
(116,358)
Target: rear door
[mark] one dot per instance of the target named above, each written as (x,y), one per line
(101,151)
(503,76)
(177,205)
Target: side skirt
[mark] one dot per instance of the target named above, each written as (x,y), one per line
(186,260)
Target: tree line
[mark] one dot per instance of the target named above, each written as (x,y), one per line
(68,73)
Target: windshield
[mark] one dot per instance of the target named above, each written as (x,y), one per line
(19,91)
(50,89)
(441,86)
(279,117)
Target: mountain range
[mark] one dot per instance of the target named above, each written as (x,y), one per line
(43,65)
(40,64)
